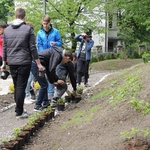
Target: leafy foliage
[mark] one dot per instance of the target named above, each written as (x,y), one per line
(69,17)
(133,19)
(4,5)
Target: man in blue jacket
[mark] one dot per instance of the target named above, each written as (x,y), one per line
(47,37)
(84,56)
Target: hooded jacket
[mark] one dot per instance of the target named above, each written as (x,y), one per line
(50,58)
(19,44)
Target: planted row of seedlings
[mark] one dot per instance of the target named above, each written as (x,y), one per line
(22,135)
(70,99)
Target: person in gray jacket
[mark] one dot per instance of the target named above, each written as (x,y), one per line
(18,50)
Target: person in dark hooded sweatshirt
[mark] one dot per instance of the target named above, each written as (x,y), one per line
(18,50)
(49,58)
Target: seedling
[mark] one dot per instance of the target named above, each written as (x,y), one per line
(61,100)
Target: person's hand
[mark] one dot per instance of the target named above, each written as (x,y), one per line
(52,43)
(84,34)
(40,67)
(3,67)
(55,83)
(61,82)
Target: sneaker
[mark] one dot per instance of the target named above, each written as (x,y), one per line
(22,116)
(33,97)
(45,105)
(27,100)
(53,103)
(50,96)
(37,108)
(86,85)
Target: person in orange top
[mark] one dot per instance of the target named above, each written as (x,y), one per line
(3,25)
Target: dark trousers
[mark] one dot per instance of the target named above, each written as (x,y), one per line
(20,75)
(82,70)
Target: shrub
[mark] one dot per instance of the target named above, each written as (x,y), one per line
(94,59)
(146,57)
(100,57)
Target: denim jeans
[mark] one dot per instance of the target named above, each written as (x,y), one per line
(60,90)
(20,75)
(50,89)
(27,91)
(43,95)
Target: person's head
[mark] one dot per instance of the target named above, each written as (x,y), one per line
(67,56)
(30,24)
(3,25)
(20,13)
(46,22)
(88,36)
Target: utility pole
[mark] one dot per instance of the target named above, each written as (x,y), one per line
(44,7)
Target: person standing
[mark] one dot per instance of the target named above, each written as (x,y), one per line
(3,25)
(84,56)
(47,37)
(18,50)
(50,58)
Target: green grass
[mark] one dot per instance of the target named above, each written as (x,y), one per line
(116,64)
(81,116)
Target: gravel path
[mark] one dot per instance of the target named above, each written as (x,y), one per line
(7,117)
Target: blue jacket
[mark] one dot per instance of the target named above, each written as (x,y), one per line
(88,46)
(43,39)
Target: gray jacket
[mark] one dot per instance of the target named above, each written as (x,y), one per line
(19,44)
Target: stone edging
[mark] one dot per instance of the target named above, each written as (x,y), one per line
(8,107)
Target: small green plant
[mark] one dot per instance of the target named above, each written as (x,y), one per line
(80,89)
(5,140)
(16,133)
(130,134)
(30,121)
(61,100)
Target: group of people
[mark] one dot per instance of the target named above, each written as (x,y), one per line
(44,61)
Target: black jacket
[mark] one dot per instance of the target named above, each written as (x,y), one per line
(65,69)
(19,44)
(50,58)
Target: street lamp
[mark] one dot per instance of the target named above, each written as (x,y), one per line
(44,6)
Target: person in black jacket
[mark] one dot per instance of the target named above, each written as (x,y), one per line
(64,69)
(18,50)
(49,58)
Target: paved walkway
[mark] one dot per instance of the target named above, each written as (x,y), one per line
(7,118)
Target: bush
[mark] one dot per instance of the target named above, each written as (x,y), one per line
(146,57)
(94,59)
(100,57)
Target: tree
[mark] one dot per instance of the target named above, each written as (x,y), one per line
(4,5)
(68,16)
(133,19)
